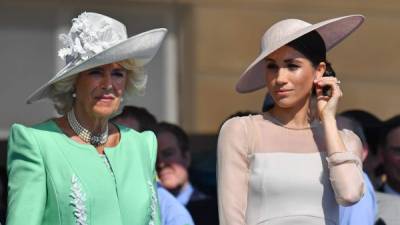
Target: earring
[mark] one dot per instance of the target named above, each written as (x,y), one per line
(122,99)
(74,95)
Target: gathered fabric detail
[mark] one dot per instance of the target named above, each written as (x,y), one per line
(154,203)
(78,201)
(339,158)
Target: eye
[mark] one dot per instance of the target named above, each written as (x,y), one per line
(272,66)
(167,153)
(293,66)
(95,72)
(119,73)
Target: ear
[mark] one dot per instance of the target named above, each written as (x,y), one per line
(320,70)
(364,153)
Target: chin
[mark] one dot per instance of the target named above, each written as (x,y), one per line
(169,185)
(285,103)
(102,111)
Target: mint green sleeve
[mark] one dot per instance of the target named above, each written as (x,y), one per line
(26,178)
(152,143)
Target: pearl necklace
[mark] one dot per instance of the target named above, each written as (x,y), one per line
(85,134)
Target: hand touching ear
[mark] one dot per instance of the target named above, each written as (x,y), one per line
(327,105)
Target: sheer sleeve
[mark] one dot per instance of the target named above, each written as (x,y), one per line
(26,178)
(346,177)
(233,172)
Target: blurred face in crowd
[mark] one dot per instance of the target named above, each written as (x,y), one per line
(128,122)
(391,158)
(172,163)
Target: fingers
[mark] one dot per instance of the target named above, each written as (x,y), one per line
(332,83)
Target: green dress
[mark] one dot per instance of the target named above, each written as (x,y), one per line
(54,180)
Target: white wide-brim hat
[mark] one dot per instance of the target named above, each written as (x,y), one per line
(94,40)
(281,33)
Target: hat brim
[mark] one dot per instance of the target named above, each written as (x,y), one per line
(142,48)
(332,31)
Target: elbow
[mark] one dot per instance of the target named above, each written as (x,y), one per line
(348,200)
(351,197)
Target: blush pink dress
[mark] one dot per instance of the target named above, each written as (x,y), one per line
(269,174)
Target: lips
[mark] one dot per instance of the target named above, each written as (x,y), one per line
(105,98)
(165,172)
(283,91)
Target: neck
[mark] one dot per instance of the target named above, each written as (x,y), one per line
(179,189)
(293,117)
(92,123)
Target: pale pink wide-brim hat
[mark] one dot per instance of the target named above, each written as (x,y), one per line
(281,33)
(94,40)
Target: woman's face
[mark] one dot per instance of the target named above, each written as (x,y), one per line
(289,76)
(99,90)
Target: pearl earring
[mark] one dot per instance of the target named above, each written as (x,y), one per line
(74,95)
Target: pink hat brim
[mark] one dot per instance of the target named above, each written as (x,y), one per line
(332,31)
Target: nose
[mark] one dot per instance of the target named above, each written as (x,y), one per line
(107,81)
(160,164)
(281,77)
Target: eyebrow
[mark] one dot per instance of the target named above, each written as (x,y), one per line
(120,70)
(290,60)
(96,68)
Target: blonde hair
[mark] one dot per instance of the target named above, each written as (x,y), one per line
(61,91)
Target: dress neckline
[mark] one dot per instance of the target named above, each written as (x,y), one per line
(315,124)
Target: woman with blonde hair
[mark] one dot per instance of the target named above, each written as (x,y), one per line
(80,168)
(291,164)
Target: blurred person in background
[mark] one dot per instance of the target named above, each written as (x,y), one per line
(173,171)
(80,168)
(172,211)
(389,192)
(291,164)
(389,150)
(365,211)
(137,118)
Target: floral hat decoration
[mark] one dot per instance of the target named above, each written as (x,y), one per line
(94,40)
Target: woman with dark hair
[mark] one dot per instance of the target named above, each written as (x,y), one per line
(79,168)
(291,164)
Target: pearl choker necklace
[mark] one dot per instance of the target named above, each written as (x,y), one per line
(85,134)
